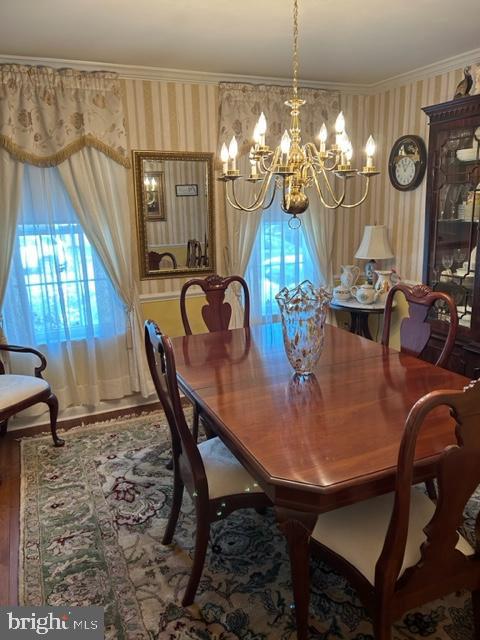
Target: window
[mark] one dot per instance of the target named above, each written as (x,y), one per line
(280,258)
(57,284)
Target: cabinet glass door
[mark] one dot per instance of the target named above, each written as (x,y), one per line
(457,192)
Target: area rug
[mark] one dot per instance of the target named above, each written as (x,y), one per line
(92,518)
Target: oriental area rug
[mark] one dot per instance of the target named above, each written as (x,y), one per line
(92,518)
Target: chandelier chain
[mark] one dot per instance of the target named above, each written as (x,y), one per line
(295,48)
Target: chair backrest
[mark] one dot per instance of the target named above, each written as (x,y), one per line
(194,253)
(161,363)
(216,313)
(155,258)
(442,568)
(415,330)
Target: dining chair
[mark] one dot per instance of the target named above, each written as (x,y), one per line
(216,313)
(19,392)
(415,330)
(216,481)
(155,258)
(401,550)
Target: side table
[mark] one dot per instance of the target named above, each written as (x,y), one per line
(359,314)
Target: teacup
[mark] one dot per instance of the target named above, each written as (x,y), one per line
(341,293)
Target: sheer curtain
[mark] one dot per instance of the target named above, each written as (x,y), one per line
(60,299)
(280,258)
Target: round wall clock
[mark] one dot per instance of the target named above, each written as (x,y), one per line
(407,162)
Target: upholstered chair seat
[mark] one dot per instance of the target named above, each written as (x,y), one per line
(225,475)
(16,388)
(357,532)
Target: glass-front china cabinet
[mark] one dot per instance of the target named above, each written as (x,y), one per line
(452,225)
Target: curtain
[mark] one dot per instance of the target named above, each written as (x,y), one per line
(280,258)
(74,120)
(60,290)
(46,114)
(98,190)
(11,173)
(240,107)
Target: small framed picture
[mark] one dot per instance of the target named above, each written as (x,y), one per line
(153,195)
(186,190)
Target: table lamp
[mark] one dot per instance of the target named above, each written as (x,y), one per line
(374,246)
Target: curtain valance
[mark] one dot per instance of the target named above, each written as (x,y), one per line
(242,104)
(48,114)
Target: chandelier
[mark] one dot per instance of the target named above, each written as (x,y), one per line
(292,167)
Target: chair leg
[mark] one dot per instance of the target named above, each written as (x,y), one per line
(431,489)
(195,421)
(382,626)
(175,510)
(52,403)
(3,427)
(202,537)
(476,614)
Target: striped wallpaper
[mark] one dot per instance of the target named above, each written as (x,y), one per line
(388,116)
(175,116)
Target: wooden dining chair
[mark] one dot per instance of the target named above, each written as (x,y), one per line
(401,550)
(155,258)
(415,330)
(216,481)
(216,313)
(19,392)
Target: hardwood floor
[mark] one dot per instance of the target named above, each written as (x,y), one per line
(10,496)
(9,518)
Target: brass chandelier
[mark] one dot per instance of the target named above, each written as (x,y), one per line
(292,167)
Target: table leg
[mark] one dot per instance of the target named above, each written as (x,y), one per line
(359,325)
(297,527)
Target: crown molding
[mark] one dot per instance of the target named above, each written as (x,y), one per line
(427,71)
(134,72)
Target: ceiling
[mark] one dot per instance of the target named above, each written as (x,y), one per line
(352,41)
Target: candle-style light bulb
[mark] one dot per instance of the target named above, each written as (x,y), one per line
(256,134)
(340,123)
(285,143)
(370,151)
(262,128)
(348,152)
(323,135)
(232,152)
(253,163)
(224,157)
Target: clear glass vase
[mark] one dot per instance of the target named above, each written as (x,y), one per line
(303,310)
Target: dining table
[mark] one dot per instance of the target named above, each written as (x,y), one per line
(319,442)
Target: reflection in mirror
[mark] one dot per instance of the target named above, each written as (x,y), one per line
(174,202)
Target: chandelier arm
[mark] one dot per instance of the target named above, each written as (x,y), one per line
(274,191)
(272,163)
(257,202)
(362,199)
(315,159)
(338,203)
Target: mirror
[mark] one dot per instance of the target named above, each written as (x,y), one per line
(175,217)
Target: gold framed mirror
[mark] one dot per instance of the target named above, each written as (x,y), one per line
(175,213)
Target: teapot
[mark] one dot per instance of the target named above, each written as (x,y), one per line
(349,274)
(365,294)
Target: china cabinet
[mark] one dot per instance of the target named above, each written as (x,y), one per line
(452,226)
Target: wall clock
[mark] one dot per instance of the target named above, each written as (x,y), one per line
(407,162)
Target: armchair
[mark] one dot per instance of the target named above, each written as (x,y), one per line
(19,392)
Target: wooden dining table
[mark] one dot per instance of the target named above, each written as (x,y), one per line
(316,443)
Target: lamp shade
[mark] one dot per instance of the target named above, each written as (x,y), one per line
(374,244)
